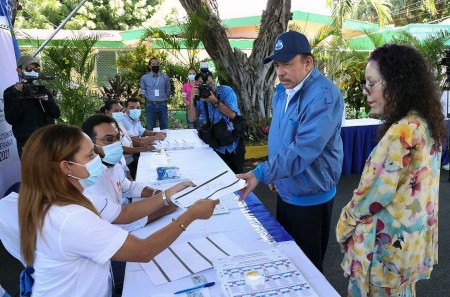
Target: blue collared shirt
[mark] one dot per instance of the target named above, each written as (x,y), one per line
(150,82)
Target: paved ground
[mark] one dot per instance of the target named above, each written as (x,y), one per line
(437,286)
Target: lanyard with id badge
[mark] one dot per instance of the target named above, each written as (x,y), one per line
(156,87)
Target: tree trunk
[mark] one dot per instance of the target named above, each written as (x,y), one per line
(248,76)
(15,6)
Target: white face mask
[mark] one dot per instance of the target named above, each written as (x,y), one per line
(135,114)
(113,153)
(30,74)
(95,169)
(118,116)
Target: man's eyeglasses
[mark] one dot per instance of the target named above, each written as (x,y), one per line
(35,69)
(110,139)
(368,87)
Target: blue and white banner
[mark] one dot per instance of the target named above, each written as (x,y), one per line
(9,158)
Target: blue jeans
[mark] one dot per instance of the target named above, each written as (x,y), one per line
(155,111)
(189,123)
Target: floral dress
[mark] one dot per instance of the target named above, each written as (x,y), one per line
(391,223)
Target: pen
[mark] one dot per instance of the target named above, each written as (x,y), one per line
(196,287)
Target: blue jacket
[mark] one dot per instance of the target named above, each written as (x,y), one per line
(305,146)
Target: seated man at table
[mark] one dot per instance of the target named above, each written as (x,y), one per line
(132,123)
(113,183)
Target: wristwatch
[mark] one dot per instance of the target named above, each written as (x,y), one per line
(216,105)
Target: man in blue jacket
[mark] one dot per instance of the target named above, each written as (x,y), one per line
(305,146)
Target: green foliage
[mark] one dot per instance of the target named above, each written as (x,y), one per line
(184,39)
(118,89)
(133,64)
(94,14)
(419,12)
(73,63)
(432,47)
(177,118)
(346,68)
(352,76)
(258,130)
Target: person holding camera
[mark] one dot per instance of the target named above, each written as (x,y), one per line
(211,106)
(28,106)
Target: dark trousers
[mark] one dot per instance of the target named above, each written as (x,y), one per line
(118,270)
(309,226)
(235,159)
(133,165)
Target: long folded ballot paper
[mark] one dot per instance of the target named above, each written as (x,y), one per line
(263,273)
(218,185)
(184,259)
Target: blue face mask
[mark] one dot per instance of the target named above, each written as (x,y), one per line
(113,153)
(94,168)
(191,77)
(135,114)
(30,74)
(118,116)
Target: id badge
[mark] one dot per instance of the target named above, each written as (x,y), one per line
(157,93)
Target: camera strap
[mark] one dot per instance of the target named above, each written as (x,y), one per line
(208,120)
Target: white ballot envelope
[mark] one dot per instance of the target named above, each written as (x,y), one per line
(218,185)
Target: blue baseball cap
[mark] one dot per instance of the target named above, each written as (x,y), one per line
(288,45)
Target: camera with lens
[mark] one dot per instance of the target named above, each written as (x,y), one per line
(33,90)
(204,88)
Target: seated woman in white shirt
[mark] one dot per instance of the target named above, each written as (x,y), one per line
(61,233)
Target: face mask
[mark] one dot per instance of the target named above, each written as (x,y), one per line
(113,153)
(30,74)
(155,69)
(94,168)
(118,116)
(191,77)
(135,114)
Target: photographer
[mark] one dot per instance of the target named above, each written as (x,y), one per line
(28,106)
(211,104)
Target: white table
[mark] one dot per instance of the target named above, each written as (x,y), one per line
(239,225)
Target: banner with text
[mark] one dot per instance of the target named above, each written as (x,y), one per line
(9,158)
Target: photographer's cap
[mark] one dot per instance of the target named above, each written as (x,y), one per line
(288,45)
(25,61)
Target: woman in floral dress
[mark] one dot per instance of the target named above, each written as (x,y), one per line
(388,231)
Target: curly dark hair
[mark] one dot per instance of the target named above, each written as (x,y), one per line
(409,84)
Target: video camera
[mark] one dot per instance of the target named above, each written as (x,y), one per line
(204,88)
(33,90)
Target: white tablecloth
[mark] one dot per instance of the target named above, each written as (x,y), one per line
(237,225)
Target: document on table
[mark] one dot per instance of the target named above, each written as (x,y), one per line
(279,275)
(220,184)
(181,260)
(180,140)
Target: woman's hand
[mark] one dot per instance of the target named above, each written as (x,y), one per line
(177,188)
(202,209)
